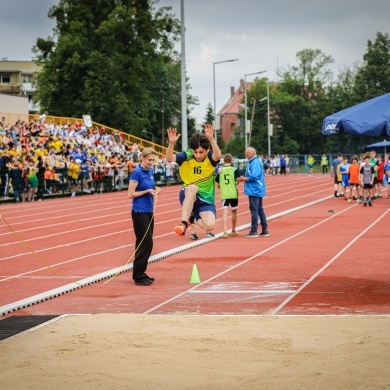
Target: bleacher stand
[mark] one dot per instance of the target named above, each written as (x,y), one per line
(102,158)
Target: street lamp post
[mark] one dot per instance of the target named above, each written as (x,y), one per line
(148,132)
(215,112)
(268,120)
(246,108)
(162,122)
(252,116)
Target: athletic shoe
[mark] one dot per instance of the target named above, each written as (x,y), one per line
(370,203)
(225,236)
(209,235)
(143,282)
(194,237)
(365,204)
(234,233)
(264,233)
(251,235)
(349,200)
(358,200)
(149,277)
(180,230)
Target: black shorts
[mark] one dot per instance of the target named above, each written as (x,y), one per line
(367,186)
(73,181)
(233,203)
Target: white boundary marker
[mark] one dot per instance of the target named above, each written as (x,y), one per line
(35,299)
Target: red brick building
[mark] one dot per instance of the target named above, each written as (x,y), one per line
(229,120)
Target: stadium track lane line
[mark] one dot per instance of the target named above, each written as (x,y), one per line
(14,306)
(128,230)
(331,261)
(252,257)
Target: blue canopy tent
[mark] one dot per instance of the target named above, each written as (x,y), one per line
(378,146)
(370,118)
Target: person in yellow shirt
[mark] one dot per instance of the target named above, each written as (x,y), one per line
(73,176)
(101,158)
(57,144)
(310,164)
(197,170)
(324,164)
(13,151)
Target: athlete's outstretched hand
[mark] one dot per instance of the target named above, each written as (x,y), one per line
(209,132)
(172,136)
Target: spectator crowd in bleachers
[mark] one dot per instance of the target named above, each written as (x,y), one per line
(39,159)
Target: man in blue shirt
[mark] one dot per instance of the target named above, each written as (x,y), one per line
(254,187)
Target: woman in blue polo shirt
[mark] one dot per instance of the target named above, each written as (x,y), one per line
(142,191)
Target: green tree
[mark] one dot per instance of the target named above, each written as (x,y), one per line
(236,147)
(300,101)
(373,77)
(114,60)
(356,85)
(209,118)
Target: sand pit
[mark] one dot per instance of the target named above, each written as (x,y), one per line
(200,352)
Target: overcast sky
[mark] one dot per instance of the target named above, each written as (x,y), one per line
(262,34)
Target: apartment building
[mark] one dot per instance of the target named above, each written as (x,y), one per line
(16,79)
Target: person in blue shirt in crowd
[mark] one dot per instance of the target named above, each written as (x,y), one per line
(386,178)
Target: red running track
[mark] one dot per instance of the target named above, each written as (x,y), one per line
(313,263)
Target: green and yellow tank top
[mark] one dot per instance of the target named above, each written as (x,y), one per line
(201,173)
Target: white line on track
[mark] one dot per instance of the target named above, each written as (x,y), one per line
(277,309)
(110,273)
(242,292)
(255,256)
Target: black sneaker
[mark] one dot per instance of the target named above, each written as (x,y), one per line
(264,233)
(194,237)
(143,282)
(365,204)
(149,277)
(210,235)
(370,204)
(251,235)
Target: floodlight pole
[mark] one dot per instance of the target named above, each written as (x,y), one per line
(215,104)
(246,108)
